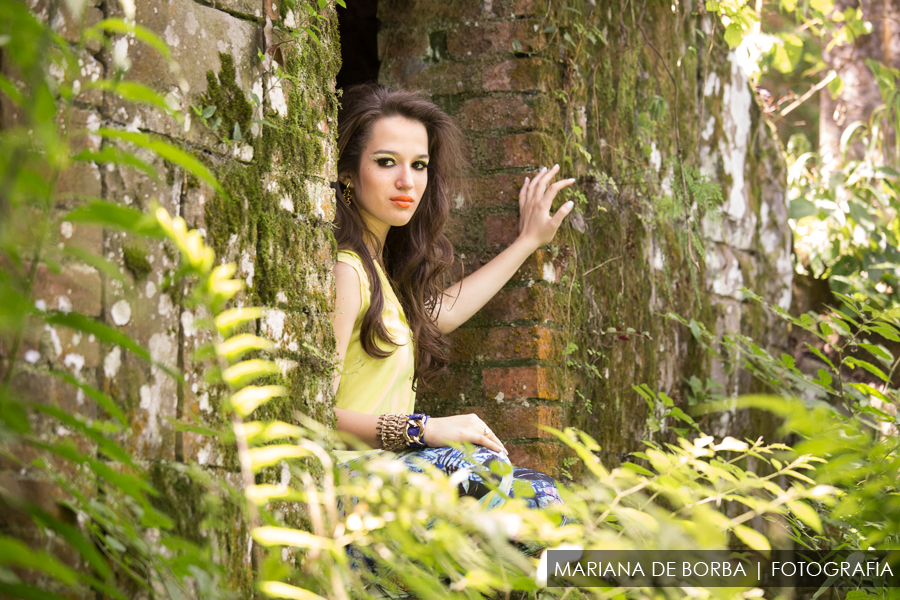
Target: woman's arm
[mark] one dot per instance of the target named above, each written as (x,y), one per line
(439,431)
(536,228)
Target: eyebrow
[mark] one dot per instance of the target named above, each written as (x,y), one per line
(395,152)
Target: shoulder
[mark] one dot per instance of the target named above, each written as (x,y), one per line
(348,289)
(349,257)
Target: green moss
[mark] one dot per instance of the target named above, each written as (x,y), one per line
(135,259)
(223,92)
(249,218)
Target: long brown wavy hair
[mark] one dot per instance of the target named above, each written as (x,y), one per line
(417,255)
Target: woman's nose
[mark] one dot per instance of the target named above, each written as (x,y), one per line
(405,179)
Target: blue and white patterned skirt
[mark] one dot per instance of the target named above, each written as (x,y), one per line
(534,488)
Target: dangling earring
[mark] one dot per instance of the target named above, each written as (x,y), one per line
(347,195)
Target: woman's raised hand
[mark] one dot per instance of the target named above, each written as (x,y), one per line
(443,431)
(536,225)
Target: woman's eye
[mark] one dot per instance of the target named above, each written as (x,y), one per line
(420,166)
(385,162)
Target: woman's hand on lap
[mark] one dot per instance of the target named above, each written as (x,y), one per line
(536,225)
(443,431)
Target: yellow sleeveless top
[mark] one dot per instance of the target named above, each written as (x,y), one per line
(371,385)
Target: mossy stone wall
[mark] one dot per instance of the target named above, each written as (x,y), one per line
(625,96)
(270,141)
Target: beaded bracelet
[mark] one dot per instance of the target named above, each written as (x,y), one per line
(398,432)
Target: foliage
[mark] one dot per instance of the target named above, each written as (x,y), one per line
(843,407)
(80,496)
(844,218)
(846,223)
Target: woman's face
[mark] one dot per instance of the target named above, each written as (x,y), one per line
(392,174)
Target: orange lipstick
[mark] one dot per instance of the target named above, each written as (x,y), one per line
(403,201)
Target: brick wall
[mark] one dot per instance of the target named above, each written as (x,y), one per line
(525,97)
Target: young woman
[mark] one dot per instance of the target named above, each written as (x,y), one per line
(400,166)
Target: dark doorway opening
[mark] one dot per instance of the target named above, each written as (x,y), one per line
(358,24)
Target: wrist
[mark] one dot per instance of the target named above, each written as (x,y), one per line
(399,432)
(526,244)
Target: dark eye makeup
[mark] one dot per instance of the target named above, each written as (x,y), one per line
(390,162)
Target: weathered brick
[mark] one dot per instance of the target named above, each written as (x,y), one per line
(402,43)
(546,457)
(501,229)
(519,74)
(72,349)
(517,8)
(487,37)
(49,390)
(196,35)
(540,266)
(480,38)
(417,11)
(76,287)
(83,237)
(516,421)
(518,150)
(496,113)
(443,78)
(521,382)
(452,385)
(534,302)
(458,231)
(500,343)
(496,190)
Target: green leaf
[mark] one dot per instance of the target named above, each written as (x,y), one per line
(208,112)
(105,334)
(74,537)
(111,155)
(165,150)
(868,390)
(879,351)
(788,54)
(106,446)
(14,416)
(236,135)
(825,378)
(134,92)
(99,397)
(225,435)
(886,331)
(279,589)
(270,455)
(124,27)
(115,216)
(16,553)
(98,262)
(228,320)
(819,353)
(11,91)
(734,35)
(806,513)
(248,399)
(637,469)
(835,86)
(27,592)
(855,362)
(240,344)
(244,372)
(753,539)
